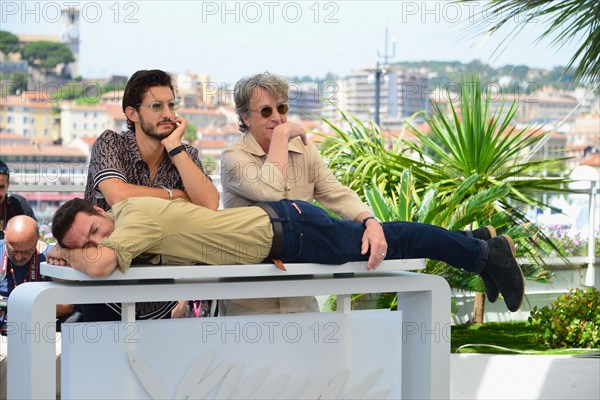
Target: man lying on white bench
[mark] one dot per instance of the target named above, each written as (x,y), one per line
(178,233)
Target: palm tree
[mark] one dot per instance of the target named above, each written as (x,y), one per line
(468,172)
(569,21)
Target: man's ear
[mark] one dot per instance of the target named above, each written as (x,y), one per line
(100,210)
(132,114)
(246,119)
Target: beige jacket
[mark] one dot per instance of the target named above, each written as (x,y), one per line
(247,178)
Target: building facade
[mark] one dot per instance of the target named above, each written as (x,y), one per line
(402,92)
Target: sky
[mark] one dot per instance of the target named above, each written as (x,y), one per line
(231,39)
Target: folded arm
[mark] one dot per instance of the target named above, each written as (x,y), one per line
(115,190)
(93,261)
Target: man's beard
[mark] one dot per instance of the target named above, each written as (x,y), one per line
(150,130)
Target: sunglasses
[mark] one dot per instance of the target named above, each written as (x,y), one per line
(159,106)
(267,111)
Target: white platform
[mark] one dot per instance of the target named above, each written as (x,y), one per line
(149,272)
(423,301)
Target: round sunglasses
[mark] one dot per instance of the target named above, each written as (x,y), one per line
(267,111)
(159,106)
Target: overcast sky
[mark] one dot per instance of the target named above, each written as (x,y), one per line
(228,40)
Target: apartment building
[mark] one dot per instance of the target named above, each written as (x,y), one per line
(402,92)
(306,98)
(202,118)
(195,89)
(37,120)
(78,121)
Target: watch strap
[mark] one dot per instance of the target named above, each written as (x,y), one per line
(176,150)
(364,221)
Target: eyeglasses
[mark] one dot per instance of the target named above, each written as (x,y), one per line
(159,106)
(267,111)
(13,252)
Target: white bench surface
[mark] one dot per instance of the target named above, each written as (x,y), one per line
(148,272)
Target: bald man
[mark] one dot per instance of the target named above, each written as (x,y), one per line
(21,253)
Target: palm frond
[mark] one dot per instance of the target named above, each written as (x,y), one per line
(568,21)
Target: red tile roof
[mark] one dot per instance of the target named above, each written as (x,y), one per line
(13,137)
(26,101)
(46,150)
(593,160)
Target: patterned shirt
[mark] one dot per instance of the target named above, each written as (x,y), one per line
(118,156)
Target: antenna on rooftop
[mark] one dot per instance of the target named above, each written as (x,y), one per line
(380,71)
(385,55)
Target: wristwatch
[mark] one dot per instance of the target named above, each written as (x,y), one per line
(364,222)
(168,191)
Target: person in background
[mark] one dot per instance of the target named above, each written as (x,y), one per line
(148,160)
(272,161)
(13,204)
(21,253)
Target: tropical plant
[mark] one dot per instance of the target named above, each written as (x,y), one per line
(467,172)
(569,21)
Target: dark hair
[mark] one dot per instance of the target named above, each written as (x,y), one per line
(242,93)
(65,215)
(137,86)
(4,170)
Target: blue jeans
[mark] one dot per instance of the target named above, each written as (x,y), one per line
(310,235)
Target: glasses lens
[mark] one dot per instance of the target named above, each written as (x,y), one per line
(174,105)
(266,111)
(156,107)
(13,252)
(283,108)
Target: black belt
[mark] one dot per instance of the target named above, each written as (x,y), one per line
(278,239)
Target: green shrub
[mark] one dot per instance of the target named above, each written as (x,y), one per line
(573,320)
